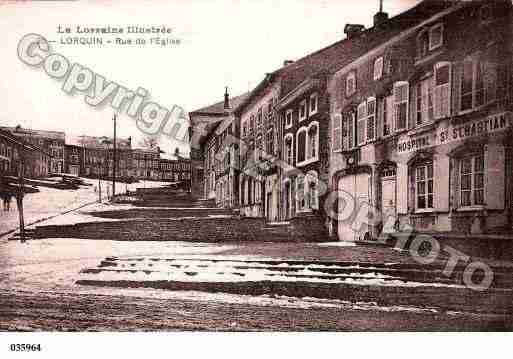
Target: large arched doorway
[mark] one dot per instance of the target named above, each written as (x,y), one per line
(358,186)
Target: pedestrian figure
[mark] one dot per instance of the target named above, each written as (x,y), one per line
(4,200)
(8,199)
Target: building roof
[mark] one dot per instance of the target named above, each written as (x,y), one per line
(218,108)
(215,116)
(20,142)
(102,142)
(342,53)
(21,131)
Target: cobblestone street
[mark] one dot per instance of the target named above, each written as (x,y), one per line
(68,311)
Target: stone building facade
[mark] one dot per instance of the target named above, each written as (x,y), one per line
(259,133)
(421,126)
(214,142)
(12,149)
(50,142)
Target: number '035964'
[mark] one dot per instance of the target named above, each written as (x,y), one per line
(25,347)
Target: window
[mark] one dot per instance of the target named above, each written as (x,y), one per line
(270,142)
(424,101)
(350,83)
(312,198)
(348,130)
(259,117)
(436,36)
(371,119)
(478,83)
(302,110)
(301,145)
(244,129)
(423,44)
(313,141)
(472,180)
(337,132)
(366,121)
(314,102)
(289,143)
(388,115)
(259,146)
(300,193)
(288,119)
(378,68)
(360,123)
(424,186)
(251,125)
(270,114)
(442,90)
(400,105)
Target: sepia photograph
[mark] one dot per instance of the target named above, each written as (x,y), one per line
(236,166)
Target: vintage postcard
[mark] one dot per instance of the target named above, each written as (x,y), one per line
(241,166)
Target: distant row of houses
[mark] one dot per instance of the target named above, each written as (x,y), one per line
(412,118)
(87,156)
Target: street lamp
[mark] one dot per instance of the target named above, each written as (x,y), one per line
(106,142)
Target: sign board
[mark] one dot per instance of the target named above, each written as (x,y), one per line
(492,124)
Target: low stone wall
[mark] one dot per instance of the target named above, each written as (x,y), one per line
(485,246)
(455,299)
(185,229)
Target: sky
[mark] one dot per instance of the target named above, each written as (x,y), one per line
(223,43)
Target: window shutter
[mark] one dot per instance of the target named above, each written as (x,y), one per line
(351,130)
(457,73)
(361,122)
(402,188)
(455,183)
(442,91)
(337,132)
(380,117)
(495,180)
(412,111)
(490,80)
(441,183)
(401,107)
(371,119)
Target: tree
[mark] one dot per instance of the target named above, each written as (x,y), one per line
(149,142)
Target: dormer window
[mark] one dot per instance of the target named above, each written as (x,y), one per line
(378,68)
(314,102)
(288,119)
(259,117)
(423,44)
(350,84)
(302,110)
(436,36)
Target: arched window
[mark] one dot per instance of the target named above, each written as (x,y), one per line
(301,145)
(313,141)
(312,187)
(288,150)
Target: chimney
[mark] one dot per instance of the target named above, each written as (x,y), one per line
(287,63)
(380,16)
(226,99)
(353,30)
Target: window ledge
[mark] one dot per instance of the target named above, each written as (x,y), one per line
(425,211)
(422,128)
(307,162)
(435,52)
(471,209)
